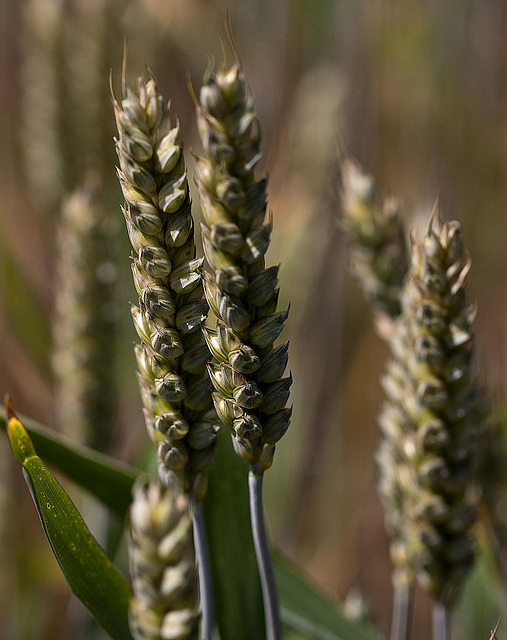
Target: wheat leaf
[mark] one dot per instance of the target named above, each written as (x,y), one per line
(91,576)
(107,479)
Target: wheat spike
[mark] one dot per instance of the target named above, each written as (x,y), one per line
(84,322)
(250,392)
(433,419)
(161,558)
(378,252)
(172,356)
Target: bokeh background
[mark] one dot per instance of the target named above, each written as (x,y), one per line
(416,90)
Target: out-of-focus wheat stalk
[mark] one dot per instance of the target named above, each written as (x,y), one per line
(84,322)
(86,118)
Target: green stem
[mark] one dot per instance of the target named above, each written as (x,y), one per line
(264,561)
(441,622)
(402,599)
(204,569)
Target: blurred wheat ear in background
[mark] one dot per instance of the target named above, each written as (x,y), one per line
(85,312)
(378,248)
(432,423)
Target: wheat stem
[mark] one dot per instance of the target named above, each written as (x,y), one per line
(441,622)
(264,561)
(204,568)
(402,601)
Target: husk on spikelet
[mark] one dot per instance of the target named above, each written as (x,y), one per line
(161,558)
(250,392)
(432,419)
(172,357)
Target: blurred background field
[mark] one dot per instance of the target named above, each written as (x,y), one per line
(415,90)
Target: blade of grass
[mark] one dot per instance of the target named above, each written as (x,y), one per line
(107,479)
(91,576)
(236,579)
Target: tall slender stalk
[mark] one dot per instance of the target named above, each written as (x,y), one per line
(204,568)
(250,392)
(441,622)
(402,604)
(264,561)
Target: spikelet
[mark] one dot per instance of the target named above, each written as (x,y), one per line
(250,392)
(161,558)
(379,255)
(172,356)
(432,420)
(84,322)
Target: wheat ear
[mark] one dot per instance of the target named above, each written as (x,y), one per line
(161,565)
(172,356)
(378,250)
(250,392)
(432,422)
(84,322)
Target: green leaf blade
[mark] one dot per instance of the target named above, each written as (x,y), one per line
(107,479)
(90,574)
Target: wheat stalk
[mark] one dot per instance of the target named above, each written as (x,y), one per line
(172,356)
(250,392)
(42,41)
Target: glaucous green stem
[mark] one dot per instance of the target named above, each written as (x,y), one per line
(441,622)
(264,561)
(204,569)
(402,599)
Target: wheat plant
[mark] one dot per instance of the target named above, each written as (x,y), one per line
(250,393)
(172,356)
(197,375)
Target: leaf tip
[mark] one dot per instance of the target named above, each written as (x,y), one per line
(19,439)
(8,407)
